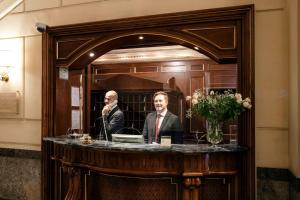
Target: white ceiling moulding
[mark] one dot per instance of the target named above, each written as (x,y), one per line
(6,6)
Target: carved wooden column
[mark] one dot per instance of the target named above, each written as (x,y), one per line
(74,187)
(191,188)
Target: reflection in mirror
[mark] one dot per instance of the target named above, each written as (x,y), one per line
(137,73)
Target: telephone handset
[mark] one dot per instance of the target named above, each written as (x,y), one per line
(110,106)
(107,108)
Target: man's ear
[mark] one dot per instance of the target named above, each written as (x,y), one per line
(114,102)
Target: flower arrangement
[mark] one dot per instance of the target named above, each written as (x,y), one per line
(218,107)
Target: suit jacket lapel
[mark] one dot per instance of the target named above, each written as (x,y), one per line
(153,121)
(164,122)
(112,112)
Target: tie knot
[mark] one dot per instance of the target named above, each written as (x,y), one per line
(159,115)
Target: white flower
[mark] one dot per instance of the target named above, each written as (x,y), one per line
(238,97)
(246,104)
(194,101)
(188,98)
(195,95)
(218,106)
(248,100)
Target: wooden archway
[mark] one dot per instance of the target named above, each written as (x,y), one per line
(226,35)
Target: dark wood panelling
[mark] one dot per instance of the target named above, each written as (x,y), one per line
(63,100)
(147,69)
(197,67)
(65,49)
(104,186)
(222,37)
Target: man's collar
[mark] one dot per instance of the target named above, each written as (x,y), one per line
(163,113)
(113,107)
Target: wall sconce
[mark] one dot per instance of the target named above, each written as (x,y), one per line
(4,74)
(6,60)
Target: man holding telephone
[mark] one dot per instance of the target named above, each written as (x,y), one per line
(113,117)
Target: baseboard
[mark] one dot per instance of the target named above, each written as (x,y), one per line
(20,153)
(268,178)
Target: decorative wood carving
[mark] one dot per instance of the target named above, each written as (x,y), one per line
(74,188)
(191,188)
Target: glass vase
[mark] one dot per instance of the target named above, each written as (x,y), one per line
(214,132)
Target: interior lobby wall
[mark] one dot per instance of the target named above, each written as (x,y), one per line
(294,74)
(270,29)
(276,68)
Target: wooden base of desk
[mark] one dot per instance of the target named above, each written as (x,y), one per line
(73,172)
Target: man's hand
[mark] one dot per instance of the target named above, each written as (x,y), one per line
(105,110)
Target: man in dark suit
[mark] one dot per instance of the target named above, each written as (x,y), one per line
(113,117)
(162,122)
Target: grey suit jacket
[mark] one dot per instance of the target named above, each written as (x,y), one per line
(114,122)
(170,126)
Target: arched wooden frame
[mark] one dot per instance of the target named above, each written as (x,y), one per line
(226,35)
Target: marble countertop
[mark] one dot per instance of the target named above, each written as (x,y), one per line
(181,148)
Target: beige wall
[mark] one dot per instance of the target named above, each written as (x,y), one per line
(272,60)
(294,74)
(271,79)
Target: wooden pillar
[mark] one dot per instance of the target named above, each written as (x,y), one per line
(191,189)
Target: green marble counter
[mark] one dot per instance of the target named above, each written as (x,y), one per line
(179,148)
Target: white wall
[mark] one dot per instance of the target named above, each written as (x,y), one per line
(272,60)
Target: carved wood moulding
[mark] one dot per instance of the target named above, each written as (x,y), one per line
(218,43)
(212,36)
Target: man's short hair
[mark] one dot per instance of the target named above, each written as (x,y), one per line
(161,93)
(114,94)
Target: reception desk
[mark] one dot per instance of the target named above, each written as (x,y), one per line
(120,171)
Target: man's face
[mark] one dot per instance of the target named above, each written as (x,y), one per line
(108,98)
(160,103)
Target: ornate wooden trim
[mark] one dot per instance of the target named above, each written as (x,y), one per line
(191,188)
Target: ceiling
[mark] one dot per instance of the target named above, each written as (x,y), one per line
(149,54)
(6,6)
